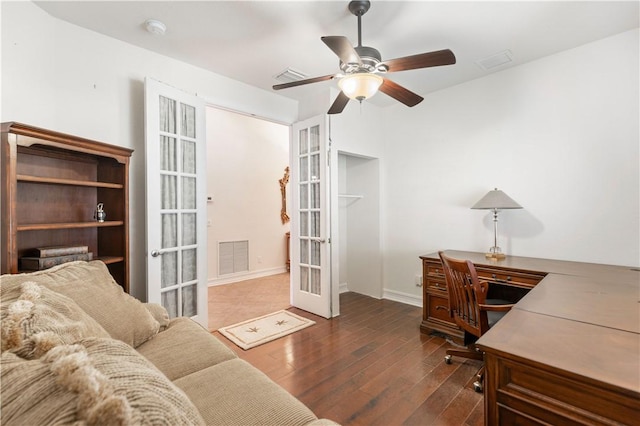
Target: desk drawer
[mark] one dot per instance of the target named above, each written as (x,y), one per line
(434,270)
(517,279)
(438,307)
(523,391)
(436,284)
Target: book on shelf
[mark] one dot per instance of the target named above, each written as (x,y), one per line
(39,263)
(53,251)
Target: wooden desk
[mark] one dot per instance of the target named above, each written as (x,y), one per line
(569,351)
(612,304)
(519,274)
(559,371)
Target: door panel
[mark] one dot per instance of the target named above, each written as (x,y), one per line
(310,225)
(176,201)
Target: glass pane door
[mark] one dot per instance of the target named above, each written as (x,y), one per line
(310,204)
(310,260)
(178,214)
(176,201)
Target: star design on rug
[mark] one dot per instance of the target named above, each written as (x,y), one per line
(281,322)
(252,330)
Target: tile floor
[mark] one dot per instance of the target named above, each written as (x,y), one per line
(243,300)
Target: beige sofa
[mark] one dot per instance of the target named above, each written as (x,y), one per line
(76,348)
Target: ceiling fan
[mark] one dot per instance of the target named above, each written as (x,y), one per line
(361,68)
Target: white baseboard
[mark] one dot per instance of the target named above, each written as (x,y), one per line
(398,296)
(243,276)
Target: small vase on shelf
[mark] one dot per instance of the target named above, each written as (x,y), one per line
(100,215)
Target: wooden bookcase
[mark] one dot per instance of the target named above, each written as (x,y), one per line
(51,184)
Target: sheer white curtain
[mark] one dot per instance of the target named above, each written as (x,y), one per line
(169,201)
(178,188)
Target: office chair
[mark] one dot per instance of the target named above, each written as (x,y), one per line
(470,308)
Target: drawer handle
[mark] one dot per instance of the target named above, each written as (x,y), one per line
(438,307)
(495,278)
(441,287)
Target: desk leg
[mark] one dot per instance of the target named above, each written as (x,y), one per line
(490,390)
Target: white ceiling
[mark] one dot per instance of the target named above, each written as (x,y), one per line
(253,41)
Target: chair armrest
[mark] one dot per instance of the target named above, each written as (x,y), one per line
(498,308)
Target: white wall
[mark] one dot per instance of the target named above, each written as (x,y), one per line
(62,77)
(246,158)
(560,135)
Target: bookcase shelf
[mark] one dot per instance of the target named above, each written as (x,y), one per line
(51,185)
(38,179)
(70,225)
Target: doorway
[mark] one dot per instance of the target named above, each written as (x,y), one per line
(246,158)
(359,242)
(242,300)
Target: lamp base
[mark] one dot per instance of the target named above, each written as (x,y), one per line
(496,256)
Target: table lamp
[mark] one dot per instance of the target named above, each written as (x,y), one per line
(496,200)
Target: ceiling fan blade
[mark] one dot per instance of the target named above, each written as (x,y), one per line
(305,81)
(338,105)
(422,60)
(343,48)
(400,94)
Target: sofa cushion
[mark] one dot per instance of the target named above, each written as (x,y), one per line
(184,348)
(243,395)
(93,288)
(34,319)
(159,313)
(95,382)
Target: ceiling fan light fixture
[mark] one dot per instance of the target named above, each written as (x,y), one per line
(360,86)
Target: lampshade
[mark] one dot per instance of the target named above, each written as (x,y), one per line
(496,199)
(360,86)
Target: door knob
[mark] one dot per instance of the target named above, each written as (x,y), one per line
(155,253)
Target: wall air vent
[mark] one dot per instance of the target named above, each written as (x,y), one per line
(290,75)
(496,60)
(233,256)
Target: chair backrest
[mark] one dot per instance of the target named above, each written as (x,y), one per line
(466,291)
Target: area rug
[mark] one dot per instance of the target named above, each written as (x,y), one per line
(254,332)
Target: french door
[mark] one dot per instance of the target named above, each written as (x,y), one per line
(176,201)
(310,222)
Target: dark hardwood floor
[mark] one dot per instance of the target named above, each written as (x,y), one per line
(371,366)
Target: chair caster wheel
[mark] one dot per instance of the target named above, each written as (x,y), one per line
(477,386)
(447,359)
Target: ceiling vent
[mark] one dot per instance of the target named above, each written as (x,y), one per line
(496,60)
(290,75)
